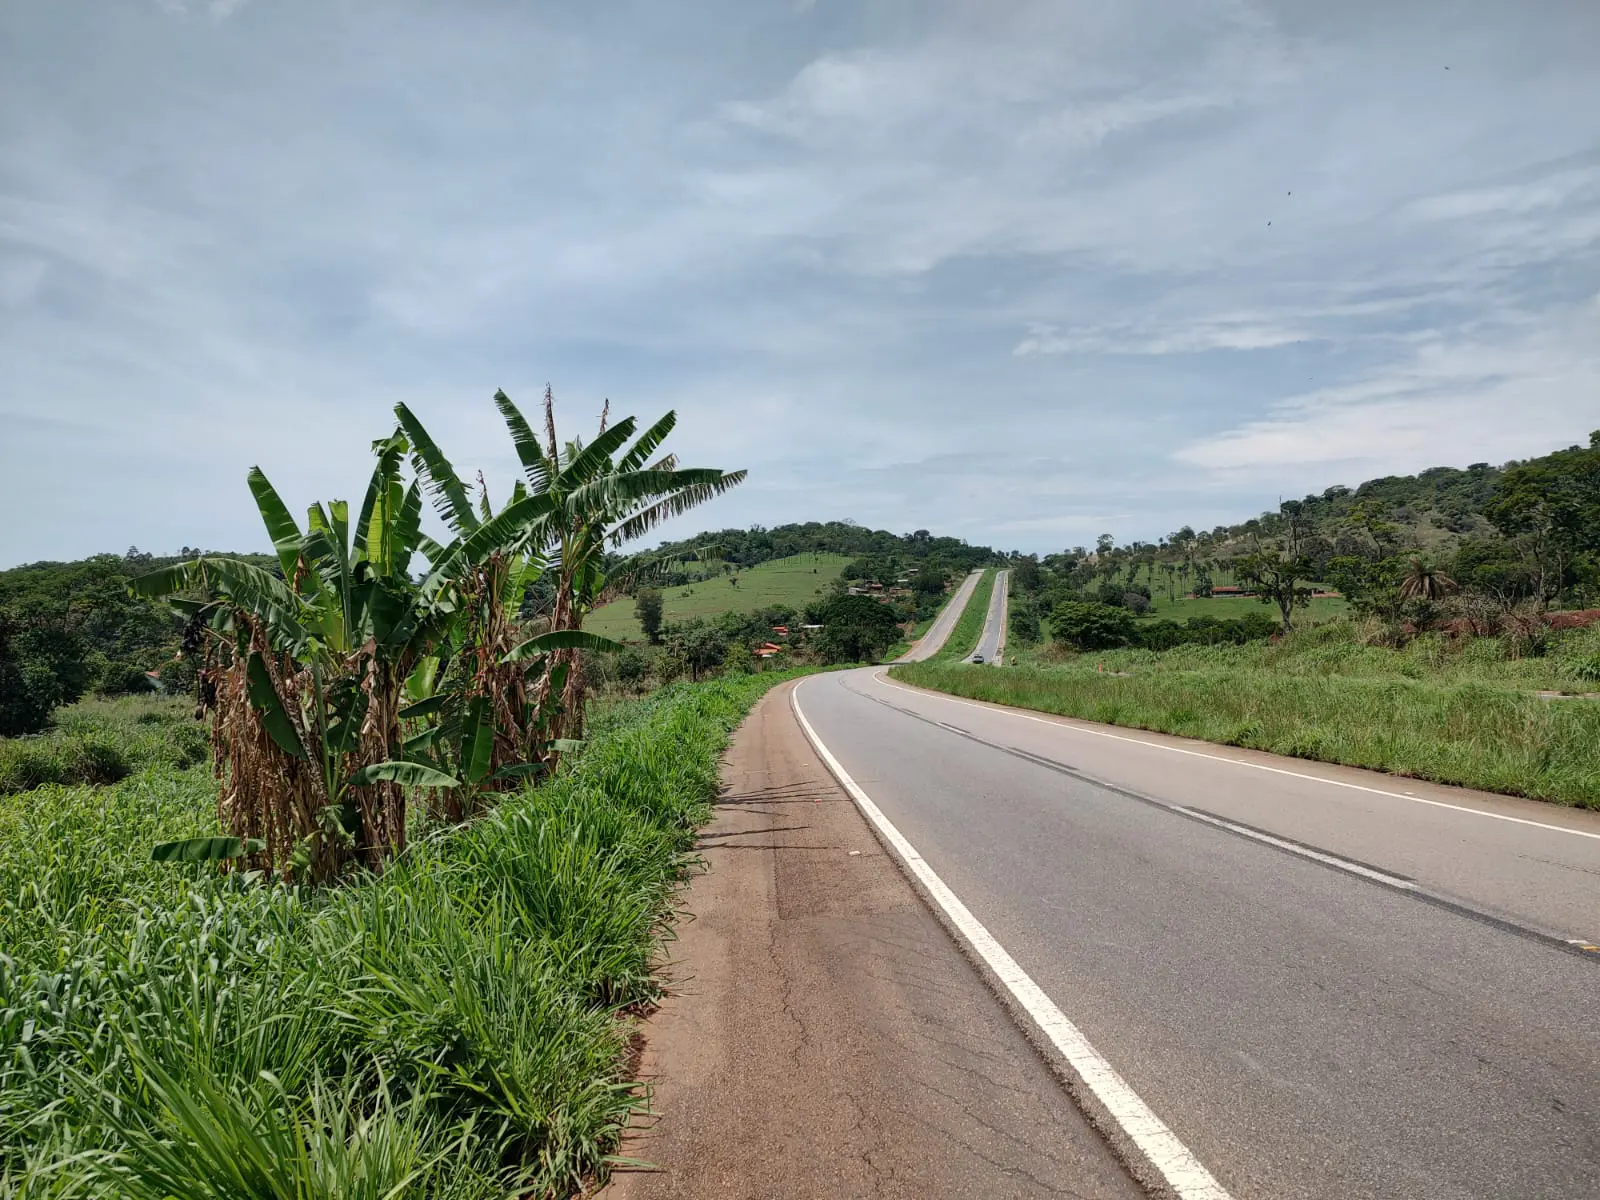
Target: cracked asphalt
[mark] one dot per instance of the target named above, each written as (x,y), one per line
(823,1035)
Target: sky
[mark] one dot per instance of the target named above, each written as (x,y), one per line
(1015,272)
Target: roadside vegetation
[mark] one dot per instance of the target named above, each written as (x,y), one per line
(452,1027)
(1451,713)
(335,925)
(1462,645)
(909,637)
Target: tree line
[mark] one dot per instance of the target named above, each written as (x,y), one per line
(1487,547)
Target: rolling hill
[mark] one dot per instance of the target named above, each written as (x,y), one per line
(794,581)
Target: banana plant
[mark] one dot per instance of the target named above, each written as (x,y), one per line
(307,674)
(488,690)
(602,494)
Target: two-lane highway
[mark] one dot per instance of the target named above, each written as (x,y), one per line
(939,632)
(1327,983)
(994,623)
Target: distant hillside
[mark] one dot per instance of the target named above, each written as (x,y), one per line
(1429,512)
(747,547)
(1424,511)
(1527,531)
(792,582)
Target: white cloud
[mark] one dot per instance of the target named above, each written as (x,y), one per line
(1238,332)
(992,268)
(217,10)
(1447,403)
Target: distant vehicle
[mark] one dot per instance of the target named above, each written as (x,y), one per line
(977,658)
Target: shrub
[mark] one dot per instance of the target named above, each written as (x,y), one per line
(1162,635)
(1110,594)
(27,763)
(1091,626)
(95,760)
(1204,631)
(1024,623)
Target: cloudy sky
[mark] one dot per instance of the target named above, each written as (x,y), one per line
(1019,272)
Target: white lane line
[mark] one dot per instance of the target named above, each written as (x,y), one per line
(1344,864)
(1184,1173)
(1118,737)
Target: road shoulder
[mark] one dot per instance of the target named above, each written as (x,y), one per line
(823,1035)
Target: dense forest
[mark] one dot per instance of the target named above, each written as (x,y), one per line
(70,628)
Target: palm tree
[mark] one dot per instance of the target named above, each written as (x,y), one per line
(1424,581)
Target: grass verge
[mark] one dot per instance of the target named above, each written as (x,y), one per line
(1467,733)
(449,1029)
(964,637)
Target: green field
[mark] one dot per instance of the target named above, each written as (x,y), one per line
(795,581)
(1323,608)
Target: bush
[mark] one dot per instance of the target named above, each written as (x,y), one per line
(1024,623)
(27,763)
(1162,635)
(632,667)
(1087,626)
(1110,594)
(103,741)
(1204,631)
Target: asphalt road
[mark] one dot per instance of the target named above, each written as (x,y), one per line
(994,621)
(939,632)
(1326,982)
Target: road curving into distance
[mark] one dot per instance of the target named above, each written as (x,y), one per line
(1307,981)
(994,623)
(939,632)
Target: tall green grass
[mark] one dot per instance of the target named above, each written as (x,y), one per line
(1463,732)
(103,741)
(963,639)
(449,1029)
